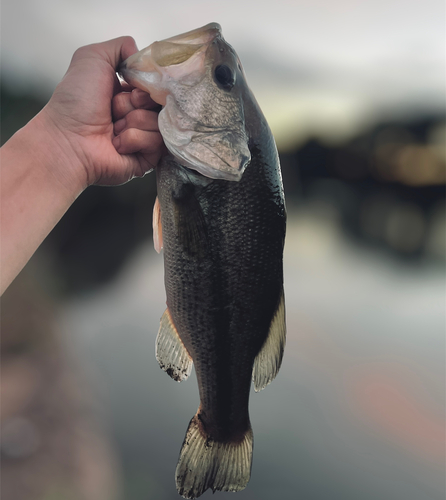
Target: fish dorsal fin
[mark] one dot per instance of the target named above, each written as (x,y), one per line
(157,228)
(269,358)
(170,351)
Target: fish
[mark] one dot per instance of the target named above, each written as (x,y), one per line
(220,220)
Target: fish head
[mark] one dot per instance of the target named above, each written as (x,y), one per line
(198,79)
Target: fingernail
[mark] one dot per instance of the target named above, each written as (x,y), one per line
(119,126)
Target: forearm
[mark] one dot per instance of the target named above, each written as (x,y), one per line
(69,145)
(33,198)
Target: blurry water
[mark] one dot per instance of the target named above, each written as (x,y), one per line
(356,411)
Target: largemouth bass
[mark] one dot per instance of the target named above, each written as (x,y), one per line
(220,218)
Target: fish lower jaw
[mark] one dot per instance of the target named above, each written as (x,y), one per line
(220,172)
(217,174)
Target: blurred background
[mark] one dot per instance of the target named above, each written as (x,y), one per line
(355,94)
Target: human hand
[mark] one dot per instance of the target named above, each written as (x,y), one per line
(80,117)
(73,143)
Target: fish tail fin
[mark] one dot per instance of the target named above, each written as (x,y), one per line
(204,463)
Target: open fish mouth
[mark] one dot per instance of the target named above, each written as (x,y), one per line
(144,69)
(179,74)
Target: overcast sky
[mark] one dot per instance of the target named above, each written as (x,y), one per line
(315,65)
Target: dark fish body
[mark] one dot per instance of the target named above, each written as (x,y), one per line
(223,246)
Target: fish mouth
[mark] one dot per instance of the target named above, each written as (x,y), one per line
(183,54)
(179,65)
(205,34)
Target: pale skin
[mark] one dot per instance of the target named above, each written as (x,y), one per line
(92,131)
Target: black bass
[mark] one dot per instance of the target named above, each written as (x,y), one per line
(220,218)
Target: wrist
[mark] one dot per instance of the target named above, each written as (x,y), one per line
(53,154)
(34,195)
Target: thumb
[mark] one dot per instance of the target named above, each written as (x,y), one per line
(116,50)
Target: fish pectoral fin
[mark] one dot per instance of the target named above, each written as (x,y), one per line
(205,463)
(191,226)
(268,360)
(170,351)
(157,227)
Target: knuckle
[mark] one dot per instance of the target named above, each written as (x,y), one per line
(136,140)
(120,104)
(132,137)
(152,142)
(140,118)
(117,100)
(143,119)
(81,52)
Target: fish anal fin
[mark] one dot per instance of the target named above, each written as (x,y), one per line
(205,463)
(157,227)
(269,358)
(170,351)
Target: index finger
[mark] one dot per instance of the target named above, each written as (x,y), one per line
(141,99)
(124,102)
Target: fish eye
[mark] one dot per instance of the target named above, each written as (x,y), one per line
(224,77)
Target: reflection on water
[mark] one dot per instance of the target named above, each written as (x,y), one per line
(356,411)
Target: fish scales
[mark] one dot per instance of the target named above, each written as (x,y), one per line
(220,216)
(216,301)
